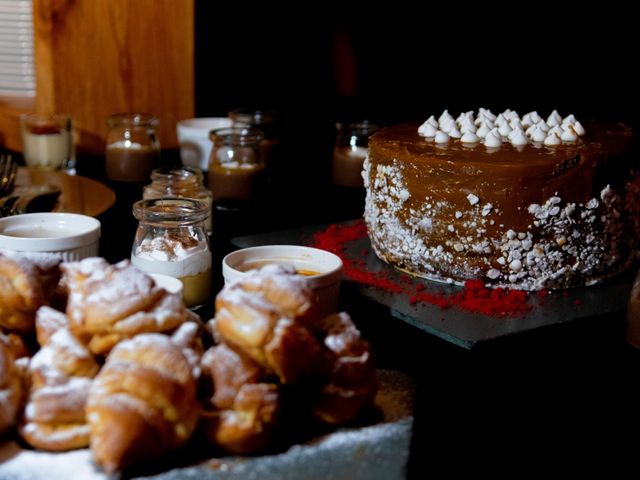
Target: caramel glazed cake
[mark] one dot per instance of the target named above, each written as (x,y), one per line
(521,203)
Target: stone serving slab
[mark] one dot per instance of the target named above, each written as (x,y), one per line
(462,328)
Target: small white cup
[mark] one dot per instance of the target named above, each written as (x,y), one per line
(71,235)
(321,269)
(193,137)
(169,283)
(48,142)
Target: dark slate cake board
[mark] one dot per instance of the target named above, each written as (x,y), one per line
(378,450)
(454,325)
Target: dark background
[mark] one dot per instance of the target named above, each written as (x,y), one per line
(321,64)
(403,63)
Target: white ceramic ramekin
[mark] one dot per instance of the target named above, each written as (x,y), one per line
(327,267)
(169,283)
(193,137)
(71,235)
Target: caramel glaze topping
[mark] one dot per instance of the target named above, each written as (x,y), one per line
(508,175)
(439,182)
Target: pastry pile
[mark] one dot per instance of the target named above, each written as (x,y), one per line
(97,355)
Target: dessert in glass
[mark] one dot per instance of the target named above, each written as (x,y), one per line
(171,240)
(349,153)
(235,166)
(48,141)
(133,150)
(187,182)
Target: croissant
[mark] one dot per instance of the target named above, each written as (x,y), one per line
(16,344)
(60,374)
(348,363)
(54,418)
(11,385)
(143,402)
(227,370)
(249,424)
(188,336)
(246,409)
(27,281)
(270,315)
(108,303)
(49,321)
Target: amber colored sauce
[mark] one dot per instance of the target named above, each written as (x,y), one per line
(306,273)
(262,263)
(131,164)
(234,185)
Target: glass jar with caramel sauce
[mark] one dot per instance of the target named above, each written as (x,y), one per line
(349,153)
(235,167)
(171,240)
(133,150)
(186,182)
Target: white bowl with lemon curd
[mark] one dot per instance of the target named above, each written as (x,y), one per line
(321,269)
(71,235)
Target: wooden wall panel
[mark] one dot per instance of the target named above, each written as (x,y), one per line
(10,110)
(98,57)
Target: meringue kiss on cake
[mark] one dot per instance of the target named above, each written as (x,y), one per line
(525,202)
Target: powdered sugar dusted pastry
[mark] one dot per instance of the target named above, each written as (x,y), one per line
(271,339)
(270,314)
(49,321)
(11,385)
(242,413)
(27,281)
(188,337)
(143,402)
(60,374)
(350,381)
(108,303)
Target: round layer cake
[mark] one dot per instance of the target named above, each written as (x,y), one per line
(520,203)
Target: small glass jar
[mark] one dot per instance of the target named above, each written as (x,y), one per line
(349,153)
(263,120)
(266,122)
(184,182)
(133,150)
(235,166)
(171,240)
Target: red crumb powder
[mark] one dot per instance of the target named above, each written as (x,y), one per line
(474,297)
(495,302)
(382,281)
(439,300)
(333,239)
